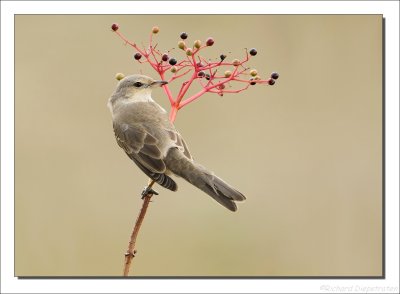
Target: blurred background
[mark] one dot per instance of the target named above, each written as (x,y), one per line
(306,152)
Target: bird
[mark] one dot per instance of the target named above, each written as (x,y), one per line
(143,130)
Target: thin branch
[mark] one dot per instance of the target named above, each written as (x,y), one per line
(130,253)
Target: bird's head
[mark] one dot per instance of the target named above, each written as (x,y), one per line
(136,88)
(138,84)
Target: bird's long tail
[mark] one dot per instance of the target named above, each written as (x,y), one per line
(206,181)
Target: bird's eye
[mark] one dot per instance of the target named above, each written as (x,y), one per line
(138,84)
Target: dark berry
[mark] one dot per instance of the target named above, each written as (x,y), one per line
(222,56)
(253,52)
(252,82)
(115,27)
(208,77)
(210,42)
(221,87)
(271,81)
(184,36)
(201,74)
(165,57)
(172,61)
(275,75)
(137,56)
(199,64)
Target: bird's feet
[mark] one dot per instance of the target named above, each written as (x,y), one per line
(148,191)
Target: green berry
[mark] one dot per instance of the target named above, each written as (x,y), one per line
(236,62)
(197,44)
(119,76)
(174,69)
(253,72)
(189,51)
(155,30)
(227,74)
(181,45)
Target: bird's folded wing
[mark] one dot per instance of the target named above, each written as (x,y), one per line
(141,146)
(179,142)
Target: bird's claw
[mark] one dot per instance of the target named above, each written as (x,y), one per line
(148,191)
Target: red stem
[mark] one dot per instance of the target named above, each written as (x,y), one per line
(172,114)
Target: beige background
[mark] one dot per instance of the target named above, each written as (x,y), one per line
(306,152)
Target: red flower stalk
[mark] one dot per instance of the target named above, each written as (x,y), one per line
(194,67)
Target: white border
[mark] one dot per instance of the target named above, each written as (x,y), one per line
(9,284)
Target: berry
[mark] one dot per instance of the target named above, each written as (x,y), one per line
(221,87)
(236,62)
(275,75)
(208,77)
(271,82)
(181,45)
(119,76)
(252,82)
(155,30)
(189,51)
(199,64)
(253,52)
(137,56)
(174,69)
(165,57)
(115,27)
(172,61)
(184,36)
(222,56)
(227,74)
(197,44)
(201,74)
(253,72)
(210,42)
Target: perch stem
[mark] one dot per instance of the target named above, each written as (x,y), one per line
(130,253)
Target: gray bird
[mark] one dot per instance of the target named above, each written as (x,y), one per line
(144,132)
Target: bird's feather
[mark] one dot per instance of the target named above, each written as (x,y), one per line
(142,148)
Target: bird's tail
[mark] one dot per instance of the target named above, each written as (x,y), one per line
(206,181)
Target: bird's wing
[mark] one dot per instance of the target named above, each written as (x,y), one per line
(180,143)
(142,148)
(141,145)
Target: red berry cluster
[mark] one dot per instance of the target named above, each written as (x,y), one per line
(195,67)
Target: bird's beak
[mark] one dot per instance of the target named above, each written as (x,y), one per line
(158,83)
